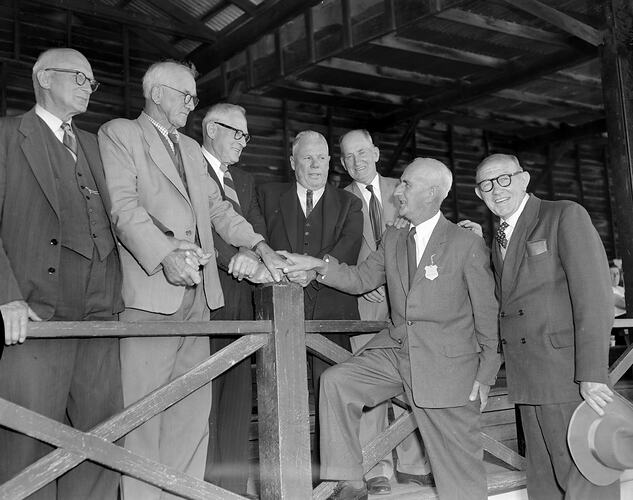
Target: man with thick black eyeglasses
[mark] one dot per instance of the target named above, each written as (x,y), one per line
(164,207)
(555,318)
(58,262)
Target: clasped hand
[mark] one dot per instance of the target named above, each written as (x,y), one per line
(182,266)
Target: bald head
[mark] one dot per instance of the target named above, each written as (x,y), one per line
(424,184)
(55,76)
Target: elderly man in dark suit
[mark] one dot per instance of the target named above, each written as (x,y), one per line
(310,216)
(164,207)
(441,348)
(58,262)
(225,134)
(556,313)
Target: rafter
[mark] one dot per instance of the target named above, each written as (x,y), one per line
(525,96)
(561,20)
(100,10)
(172,10)
(502,26)
(512,76)
(564,134)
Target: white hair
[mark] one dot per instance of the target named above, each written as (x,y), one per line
(161,71)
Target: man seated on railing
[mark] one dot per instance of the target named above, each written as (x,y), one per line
(556,313)
(441,349)
(58,262)
(164,206)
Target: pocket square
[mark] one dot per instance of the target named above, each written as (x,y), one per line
(536,247)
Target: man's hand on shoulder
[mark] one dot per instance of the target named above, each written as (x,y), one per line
(596,395)
(472,226)
(16,315)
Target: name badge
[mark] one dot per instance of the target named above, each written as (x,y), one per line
(430,272)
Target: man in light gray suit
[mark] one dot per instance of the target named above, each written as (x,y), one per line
(359,156)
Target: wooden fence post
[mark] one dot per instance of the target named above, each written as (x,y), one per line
(282,396)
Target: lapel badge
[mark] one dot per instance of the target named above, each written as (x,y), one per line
(430,272)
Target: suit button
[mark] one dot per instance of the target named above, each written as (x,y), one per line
(503,341)
(409,323)
(53,242)
(521,312)
(188,232)
(399,341)
(523,340)
(502,314)
(51,270)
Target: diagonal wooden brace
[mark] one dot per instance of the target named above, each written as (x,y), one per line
(60,461)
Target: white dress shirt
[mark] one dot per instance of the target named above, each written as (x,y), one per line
(365,192)
(215,164)
(423,234)
(316,196)
(512,222)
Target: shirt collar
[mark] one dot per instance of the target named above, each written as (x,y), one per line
(161,128)
(49,118)
(425,228)
(214,162)
(512,220)
(316,193)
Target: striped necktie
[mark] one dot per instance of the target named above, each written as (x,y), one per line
(69,139)
(229,189)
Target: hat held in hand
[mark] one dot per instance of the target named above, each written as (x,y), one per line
(602,447)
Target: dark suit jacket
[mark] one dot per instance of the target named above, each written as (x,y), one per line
(556,305)
(30,230)
(238,300)
(341,237)
(450,321)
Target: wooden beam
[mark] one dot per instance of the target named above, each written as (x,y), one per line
(98,9)
(246,5)
(440,51)
(564,134)
(400,147)
(512,75)
(269,16)
(559,19)
(505,27)
(545,100)
(617,87)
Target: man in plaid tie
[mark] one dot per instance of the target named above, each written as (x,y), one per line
(225,135)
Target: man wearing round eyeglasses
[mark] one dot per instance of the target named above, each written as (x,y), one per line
(58,262)
(164,207)
(555,319)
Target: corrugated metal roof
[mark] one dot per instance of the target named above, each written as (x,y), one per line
(225,17)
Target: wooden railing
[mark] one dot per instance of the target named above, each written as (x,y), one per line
(280,341)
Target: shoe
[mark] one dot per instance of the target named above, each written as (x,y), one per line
(345,491)
(419,479)
(378,485)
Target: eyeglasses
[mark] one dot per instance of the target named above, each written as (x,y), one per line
(188,97)
(238,133)
(504,180)
(80,77)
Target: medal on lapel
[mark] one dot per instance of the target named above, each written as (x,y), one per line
(430,272)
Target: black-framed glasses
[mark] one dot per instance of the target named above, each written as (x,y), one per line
(188,97)
(504,180)
(238,133)
(80,77)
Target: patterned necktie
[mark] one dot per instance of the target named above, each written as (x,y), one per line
(174,137)
(412,258)
(309,206)
(69,140)
(501,234)
(374,215)
(229,189)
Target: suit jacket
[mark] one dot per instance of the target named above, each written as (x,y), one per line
(30,228)
(556,305)
(375,310)
(450,322)
(145,188)
(341,237)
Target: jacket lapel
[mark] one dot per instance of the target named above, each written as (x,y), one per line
(401,258)
(34,149)
(516,247)
(160,156)
(214,176)
(290,211)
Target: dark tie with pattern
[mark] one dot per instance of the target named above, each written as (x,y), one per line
(175,141)
(412,257)
(501,234)
(229,189)
(69,140)
(308,203)
(374,215)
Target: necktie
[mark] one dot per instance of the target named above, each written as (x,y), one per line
(69,140)
(308,203)
(229,189)
(501,234)
(175,139)
(374,215)
(412,257)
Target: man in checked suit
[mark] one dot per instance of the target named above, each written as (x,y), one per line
(556,313)
(225,134)
(441,348)
(58,262)
(164,206)
(359,156)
